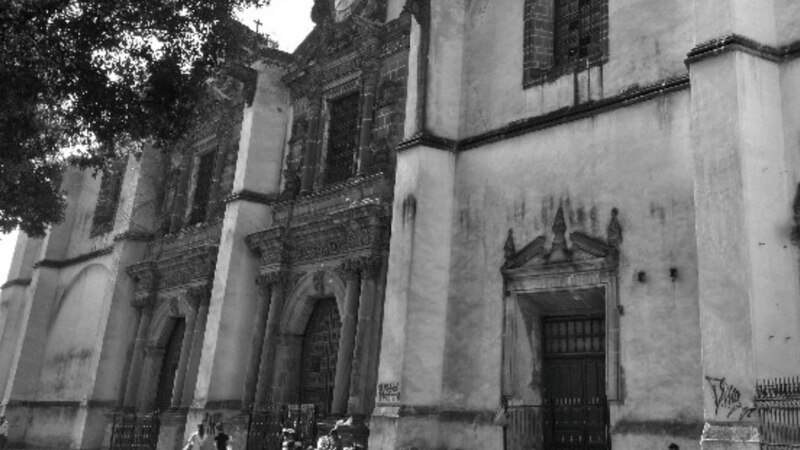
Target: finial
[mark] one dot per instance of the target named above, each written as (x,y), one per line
(509,248)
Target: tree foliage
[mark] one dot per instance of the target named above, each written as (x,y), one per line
(89,77)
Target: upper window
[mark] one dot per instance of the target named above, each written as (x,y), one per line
(202,188)
(562,33)
(342,139)
(105,211)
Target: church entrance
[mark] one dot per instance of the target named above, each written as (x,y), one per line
(574,382)
(319,356)
(169,366)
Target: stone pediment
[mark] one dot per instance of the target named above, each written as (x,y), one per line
(575,249)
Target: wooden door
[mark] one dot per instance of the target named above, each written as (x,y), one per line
(574,383)
(319,355)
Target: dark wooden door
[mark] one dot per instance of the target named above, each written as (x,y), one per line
(319,355)
(169,366)
(574,383)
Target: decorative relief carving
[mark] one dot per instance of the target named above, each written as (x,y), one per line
(352,233)
(192,268)
(198,296)
(578,248)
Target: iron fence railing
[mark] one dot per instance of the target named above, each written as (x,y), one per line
(777,403)
(135,432)
(559,423)
(266,425)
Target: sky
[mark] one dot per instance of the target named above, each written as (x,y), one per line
(286,21)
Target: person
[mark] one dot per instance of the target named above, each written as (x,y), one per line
(3,432)
(222,441)
(198,440)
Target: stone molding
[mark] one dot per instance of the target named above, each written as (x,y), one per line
(60,264)
(555,118)
(251,196)
(16,282)
(481,417)
(134,236)
(737,42)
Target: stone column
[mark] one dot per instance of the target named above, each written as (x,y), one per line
(369,87)
(145,306)
(256,342)
(359,379)
(186,350)
(313,145)
(266,367)
(201,298)
(344,361)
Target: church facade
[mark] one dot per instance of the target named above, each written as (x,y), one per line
(505,224)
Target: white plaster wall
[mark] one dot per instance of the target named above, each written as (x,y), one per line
(787,17)
(648,41)
(637,159)
(72,334)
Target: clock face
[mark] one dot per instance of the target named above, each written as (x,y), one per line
(344,8)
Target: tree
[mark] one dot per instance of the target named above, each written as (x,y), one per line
(93,76)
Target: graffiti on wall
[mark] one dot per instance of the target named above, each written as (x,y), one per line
(389,392)
(728,398)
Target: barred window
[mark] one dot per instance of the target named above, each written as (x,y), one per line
(202,188)
(581,30)
(342,139)
(562,33)
(105,210)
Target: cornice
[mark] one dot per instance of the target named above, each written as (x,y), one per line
(16,282)
(736,42)
(427,139)
(551,119)
(251,196)
(60,264)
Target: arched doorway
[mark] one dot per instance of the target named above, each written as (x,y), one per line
(169,367)
(319,355)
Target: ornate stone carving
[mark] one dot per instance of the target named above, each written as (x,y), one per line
(194,265)
(579,249)
(614,230)
(143,300)
(198,296)
(357,231)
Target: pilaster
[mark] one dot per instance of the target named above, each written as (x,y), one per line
(747,270)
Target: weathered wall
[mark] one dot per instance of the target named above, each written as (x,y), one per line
(787,21)
(648,41)
(72,331)
(636,159)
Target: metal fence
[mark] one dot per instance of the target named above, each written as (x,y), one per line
(777,402)
(135,432)
(266,425)
(562,423)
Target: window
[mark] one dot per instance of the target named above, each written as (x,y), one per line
(581,29)
(342,139)
(562,33)
(105,209)
(202,188)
